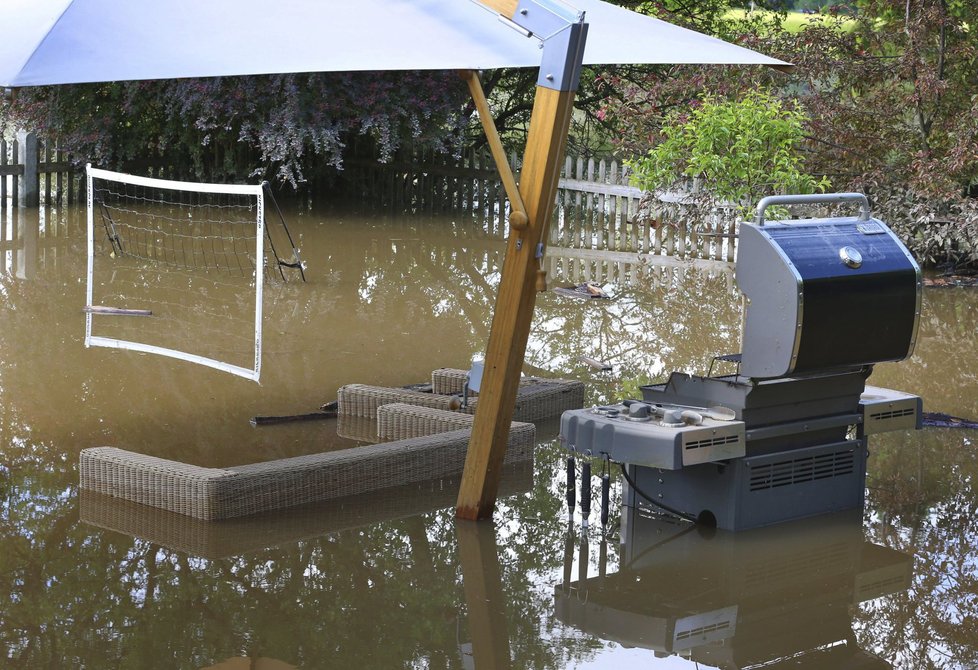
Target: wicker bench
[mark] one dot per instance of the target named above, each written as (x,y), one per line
(233,537)
(399,421)
(536,399)
(224,493)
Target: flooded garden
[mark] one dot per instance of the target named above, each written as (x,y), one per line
(391,579)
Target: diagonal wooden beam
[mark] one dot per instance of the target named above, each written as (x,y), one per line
(517,216)
(505,7)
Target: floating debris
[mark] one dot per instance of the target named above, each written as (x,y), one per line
(587,290)
(949,281)
(115,311)
(595,363)
(326,411)
(941,420)
(291,418)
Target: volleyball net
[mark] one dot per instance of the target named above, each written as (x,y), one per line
(192,258)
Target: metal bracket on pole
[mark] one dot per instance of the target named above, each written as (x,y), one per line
(560,68)
(545,18)
(562,33)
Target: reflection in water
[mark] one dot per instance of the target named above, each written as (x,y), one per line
(478,555)
(388,585)
(772,598)
(242,663)
(243,535)
(945,362)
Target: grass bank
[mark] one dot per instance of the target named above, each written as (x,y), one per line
(794,22)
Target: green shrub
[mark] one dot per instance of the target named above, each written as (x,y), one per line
(741,150)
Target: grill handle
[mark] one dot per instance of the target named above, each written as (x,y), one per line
(813,199)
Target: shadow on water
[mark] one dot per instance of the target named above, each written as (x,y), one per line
(394,581)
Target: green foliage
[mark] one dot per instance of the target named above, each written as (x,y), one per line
(742,150)
(888,95)
(893,111)
(937,230)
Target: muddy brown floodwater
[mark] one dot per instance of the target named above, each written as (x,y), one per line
(391,581)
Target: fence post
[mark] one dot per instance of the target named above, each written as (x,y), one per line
(3,177)
(28,186)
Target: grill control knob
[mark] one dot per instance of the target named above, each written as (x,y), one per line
(672,417)
(851,257)
(607,410)
(639,411)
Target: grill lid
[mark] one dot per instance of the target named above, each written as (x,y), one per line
(824,294)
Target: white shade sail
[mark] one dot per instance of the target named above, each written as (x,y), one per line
(76,41)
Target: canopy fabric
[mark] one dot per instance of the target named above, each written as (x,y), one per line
(76,41)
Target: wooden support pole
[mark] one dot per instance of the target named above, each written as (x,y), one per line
(549,123)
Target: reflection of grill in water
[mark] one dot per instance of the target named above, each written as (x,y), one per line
(826,299)
(766,598)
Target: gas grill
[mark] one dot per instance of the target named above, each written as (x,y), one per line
(784,436)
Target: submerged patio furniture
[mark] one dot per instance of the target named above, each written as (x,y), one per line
(226,493)
(427,439)
(233,537)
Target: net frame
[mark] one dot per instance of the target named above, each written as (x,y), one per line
(256,191)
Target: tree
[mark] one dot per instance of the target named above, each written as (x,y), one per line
(893,112)
(889,106)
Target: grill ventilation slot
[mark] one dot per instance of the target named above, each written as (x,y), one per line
(701,631)
(801,470)
(712,442)
(892,414)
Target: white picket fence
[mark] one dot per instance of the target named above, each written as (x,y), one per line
(598,209)
(35,171)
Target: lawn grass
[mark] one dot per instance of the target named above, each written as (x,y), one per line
(794,22)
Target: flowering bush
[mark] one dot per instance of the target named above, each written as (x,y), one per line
(284,127)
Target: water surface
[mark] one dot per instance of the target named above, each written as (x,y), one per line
(393,581)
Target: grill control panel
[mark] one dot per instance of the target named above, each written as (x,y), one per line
(658,436)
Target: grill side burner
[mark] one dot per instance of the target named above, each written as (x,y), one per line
(826,299)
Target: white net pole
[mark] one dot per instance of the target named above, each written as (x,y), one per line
(166,184)
(259,276)
(252,374)
(89,198)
